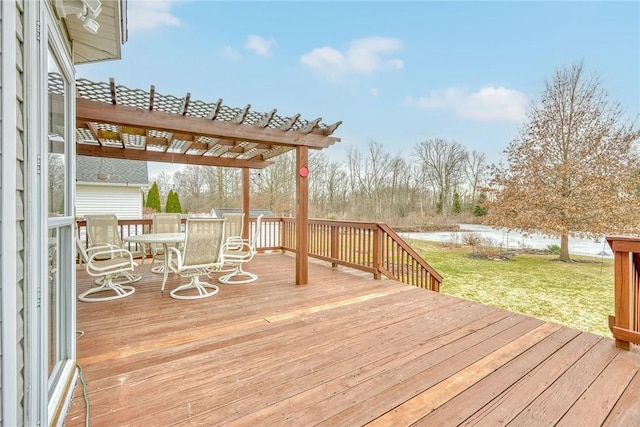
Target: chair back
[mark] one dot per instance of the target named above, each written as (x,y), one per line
(203,241)
(166,222)
(234,225)
(103,230)
(80,249)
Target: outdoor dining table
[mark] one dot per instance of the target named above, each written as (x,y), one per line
(162,238)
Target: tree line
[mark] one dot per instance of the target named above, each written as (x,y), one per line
(441,178)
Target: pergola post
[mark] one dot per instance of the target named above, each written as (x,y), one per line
(245,203)
(302,215)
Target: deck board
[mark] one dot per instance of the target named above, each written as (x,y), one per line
(343,350)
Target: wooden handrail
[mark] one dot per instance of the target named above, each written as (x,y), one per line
(413,269)
(367,246)
(625,323)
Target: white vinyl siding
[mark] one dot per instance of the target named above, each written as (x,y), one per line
(123,201)
(12,214)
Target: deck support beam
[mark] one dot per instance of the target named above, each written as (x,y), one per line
(302,215)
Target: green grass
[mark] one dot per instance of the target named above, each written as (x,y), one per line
(577,294)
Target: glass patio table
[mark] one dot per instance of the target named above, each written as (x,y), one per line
(162,238)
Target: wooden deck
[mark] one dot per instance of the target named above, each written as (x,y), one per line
(345,350)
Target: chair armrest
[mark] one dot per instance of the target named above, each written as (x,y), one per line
(174,252)
(111,251)
(236,246)
(103,247)
(234,243)
(110,260)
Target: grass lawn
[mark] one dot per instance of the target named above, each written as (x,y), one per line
(577,294)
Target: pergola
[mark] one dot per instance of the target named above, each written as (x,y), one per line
(118,122)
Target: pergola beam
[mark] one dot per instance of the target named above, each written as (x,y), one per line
(95,111)
(158,156)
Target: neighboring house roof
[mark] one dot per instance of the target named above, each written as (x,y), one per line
(120,171)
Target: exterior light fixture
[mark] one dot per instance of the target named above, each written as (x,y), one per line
(86,11)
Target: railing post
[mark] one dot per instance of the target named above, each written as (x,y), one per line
(377,253)
(622,288)
(334,244)
(284,234)
(624,324)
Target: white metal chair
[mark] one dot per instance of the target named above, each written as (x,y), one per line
(201,255)
(81,250)
(233,233)
(162,223)
(102,230)
(234,225)
(237,252)
(110,264)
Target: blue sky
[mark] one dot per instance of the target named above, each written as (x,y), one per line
(397,73)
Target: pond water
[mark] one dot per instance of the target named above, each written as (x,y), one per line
(515,240)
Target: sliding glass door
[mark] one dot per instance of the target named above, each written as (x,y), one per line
(57,161)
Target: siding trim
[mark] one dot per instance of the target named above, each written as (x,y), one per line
(36,392)
(8,134)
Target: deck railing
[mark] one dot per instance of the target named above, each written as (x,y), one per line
(371,247)
(366,246)
(625,323)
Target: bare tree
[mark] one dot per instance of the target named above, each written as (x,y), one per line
(475,171)
(223,186)
(369,177)
(572,170)
(399,193)
(317,183)
(191,184)
(274,187)
(164,181)
(442,165)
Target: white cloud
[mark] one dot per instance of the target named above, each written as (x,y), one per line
(230,52)
(259,45)
(374,91)
(149,14)
(489,103)
(361,57)
(397,63)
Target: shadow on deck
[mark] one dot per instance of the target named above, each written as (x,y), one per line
(342,350)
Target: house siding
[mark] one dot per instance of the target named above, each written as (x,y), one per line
(12,194)
(20,206)
(124,201)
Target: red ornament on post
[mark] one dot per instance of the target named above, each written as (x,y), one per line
(304,171)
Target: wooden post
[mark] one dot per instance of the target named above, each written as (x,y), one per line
(622,289)
(377,253)
(334,244)
(626,276)
(302,215)
(245,203)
